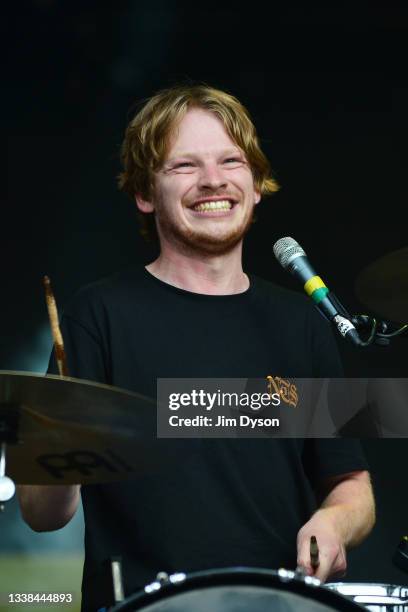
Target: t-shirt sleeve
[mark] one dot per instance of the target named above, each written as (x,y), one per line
(325,457)
(84,346)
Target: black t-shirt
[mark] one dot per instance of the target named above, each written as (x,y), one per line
(231,501)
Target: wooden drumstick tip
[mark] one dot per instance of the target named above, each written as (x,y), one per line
(47,288)
(55,328)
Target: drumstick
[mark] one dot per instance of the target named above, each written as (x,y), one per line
(314,557)
(55,328)
(314,553)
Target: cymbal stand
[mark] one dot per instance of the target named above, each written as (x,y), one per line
(9,417)
(7,486)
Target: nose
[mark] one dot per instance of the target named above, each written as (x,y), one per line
(211,177)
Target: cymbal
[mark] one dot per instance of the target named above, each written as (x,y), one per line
(383,286)
(72,431)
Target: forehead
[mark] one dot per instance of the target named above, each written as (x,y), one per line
(200,132)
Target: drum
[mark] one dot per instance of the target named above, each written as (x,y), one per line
(237,590)
(374,597)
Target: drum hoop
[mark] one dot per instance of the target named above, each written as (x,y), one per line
(234,575)
(391,585)
(354,590)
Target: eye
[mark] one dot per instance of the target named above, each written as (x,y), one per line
(233,160)
(183,165)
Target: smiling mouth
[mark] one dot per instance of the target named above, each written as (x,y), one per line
(213,206)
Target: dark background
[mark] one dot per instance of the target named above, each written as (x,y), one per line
(327,87)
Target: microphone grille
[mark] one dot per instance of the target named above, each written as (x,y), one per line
(287,249)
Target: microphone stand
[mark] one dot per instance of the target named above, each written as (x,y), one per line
(379,332)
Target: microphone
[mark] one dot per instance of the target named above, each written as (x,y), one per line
(292,257)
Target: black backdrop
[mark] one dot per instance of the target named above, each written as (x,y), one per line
(327,88)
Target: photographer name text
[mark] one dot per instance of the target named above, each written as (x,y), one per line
(222,421)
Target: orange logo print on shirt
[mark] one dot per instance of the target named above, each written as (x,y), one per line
(286,390)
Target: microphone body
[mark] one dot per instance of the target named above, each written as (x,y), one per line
(292,257)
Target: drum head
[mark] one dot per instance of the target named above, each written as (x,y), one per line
(238,590)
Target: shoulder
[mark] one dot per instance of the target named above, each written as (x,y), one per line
(106,294)
(295,312)
(279,297)
(289,302)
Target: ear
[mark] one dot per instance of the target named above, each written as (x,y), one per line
(257,197)
(143,205)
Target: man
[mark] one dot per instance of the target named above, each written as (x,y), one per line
(193,163)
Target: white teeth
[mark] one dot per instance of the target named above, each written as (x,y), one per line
(221,205)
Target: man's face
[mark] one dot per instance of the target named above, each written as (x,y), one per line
(204,193)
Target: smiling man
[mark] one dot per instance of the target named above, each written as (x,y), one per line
(192,161)
(204,194)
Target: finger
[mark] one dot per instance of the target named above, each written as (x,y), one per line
(305,571)
(323,570)
(303,556)
(339,567)
(321,573)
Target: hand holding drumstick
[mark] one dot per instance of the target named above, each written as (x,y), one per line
(314,558)
(314,553)
(321,553)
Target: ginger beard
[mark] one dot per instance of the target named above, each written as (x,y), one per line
(211,241)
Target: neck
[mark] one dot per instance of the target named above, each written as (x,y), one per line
(210,275)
